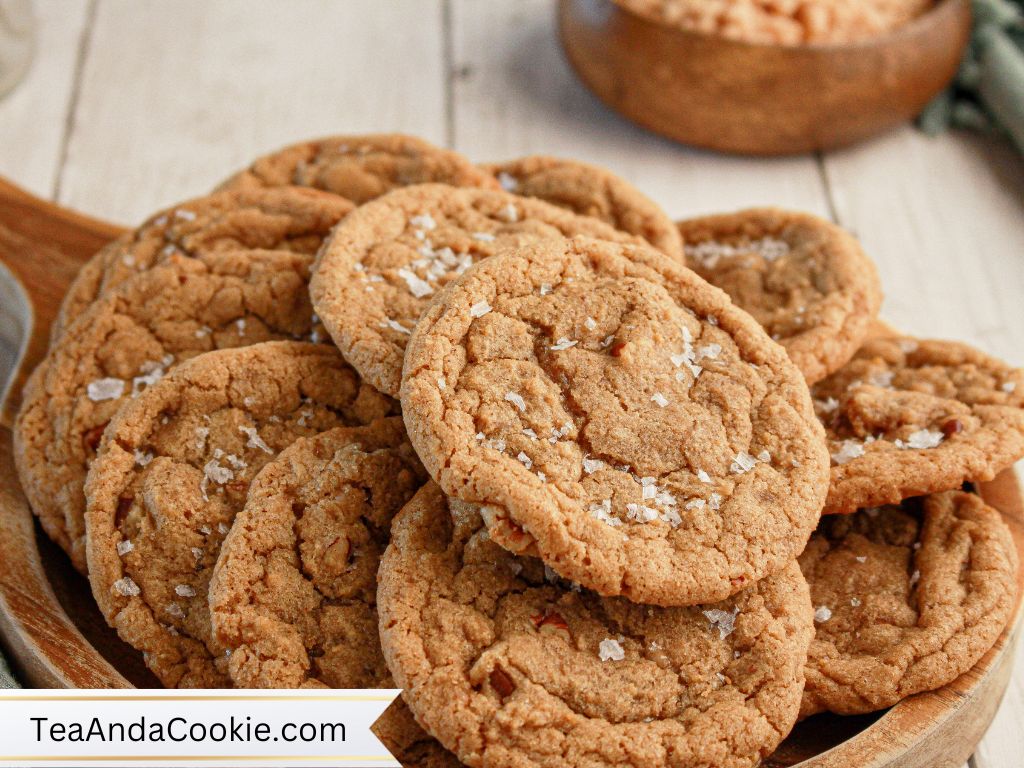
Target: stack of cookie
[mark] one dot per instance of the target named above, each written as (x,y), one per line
(559,476)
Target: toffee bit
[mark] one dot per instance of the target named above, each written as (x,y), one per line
(501,682)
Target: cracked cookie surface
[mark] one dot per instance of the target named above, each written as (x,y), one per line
(908,417)
(805,280)
(361,168)
(291,219)
(507,665)
(127,340)
(906,599)
(293,596)
(590,191)
(380,269)
(174,469)
(618,417)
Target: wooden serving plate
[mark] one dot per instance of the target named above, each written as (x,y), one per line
(55,637)
(733,96)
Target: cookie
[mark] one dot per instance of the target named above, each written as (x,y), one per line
(361,168)
(908,417)
(293,596)
(804,279)
(507,666)
(590,191)
(296,583)
(172,472)
(290,219)
(907,599)
(377,272)
(127,340)
(619,417)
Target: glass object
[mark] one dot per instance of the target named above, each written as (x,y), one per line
(17,41)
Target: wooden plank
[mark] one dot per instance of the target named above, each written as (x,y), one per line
(174,97)
(514,94)
(942,218)
(33,117)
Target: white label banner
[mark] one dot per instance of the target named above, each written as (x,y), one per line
(192,728)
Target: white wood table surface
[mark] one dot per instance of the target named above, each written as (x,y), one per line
(132,105)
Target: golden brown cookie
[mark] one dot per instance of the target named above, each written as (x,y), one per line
(289,218)
(906,599)
(618,417)
(172,472)
(361,168)
(380,269)
(293,596)
(908,417)
(804,279)
(126,341)
(296,582)
(507,666)
(590,191)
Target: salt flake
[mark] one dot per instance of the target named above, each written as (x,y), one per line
(105,389)
(480,309)
(255,441)
(610,650)
(127,587)
(724,621)
(563,343)
(516,400)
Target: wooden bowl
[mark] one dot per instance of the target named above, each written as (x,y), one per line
(55,637)
(723,94)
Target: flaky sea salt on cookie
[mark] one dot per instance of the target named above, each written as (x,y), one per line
(804,279)
(508,666)
(361,168)
(590,191)
(290,219)
(908,417)
(174,469)
(619,417)
(906,599)
(386,262)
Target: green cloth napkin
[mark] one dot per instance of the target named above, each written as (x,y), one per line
(988,93)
